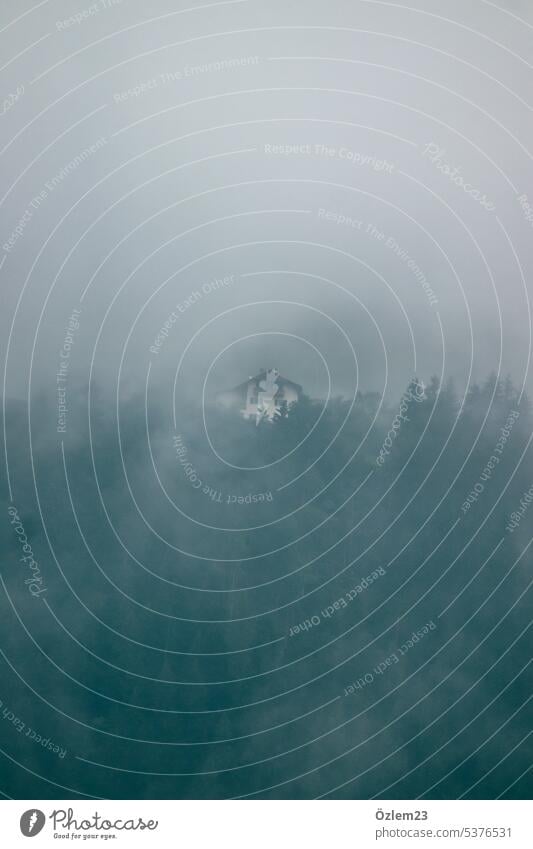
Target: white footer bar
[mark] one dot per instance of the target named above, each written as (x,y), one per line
(266,824)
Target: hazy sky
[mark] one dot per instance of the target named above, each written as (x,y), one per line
(251,167)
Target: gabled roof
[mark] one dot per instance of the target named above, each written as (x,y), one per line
(280,380)
(241,390)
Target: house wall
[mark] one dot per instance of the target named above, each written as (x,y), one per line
(245,397)
(250,407)
(287,393)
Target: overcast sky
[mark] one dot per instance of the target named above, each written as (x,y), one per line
(250,167)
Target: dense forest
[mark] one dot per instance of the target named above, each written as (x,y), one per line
(332,604)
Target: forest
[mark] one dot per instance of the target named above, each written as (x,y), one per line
(335,604)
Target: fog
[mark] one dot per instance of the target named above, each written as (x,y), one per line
(191,196)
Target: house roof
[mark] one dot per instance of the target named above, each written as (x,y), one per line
(242,387)
(280,380)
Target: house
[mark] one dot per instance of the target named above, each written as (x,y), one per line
(262,396)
